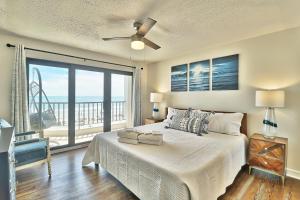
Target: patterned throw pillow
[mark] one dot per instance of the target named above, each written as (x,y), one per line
(197,113)
(199,123)
(176,112)
(179,123)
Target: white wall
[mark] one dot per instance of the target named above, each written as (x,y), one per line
(267,62)
(7,57)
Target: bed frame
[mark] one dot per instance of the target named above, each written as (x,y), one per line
(243,128)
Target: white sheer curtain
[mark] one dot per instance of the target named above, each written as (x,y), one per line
(19,102)
(136,97)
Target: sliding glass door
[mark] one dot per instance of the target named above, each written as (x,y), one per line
(77,102)
(48,90)
(89,112)
(121,86)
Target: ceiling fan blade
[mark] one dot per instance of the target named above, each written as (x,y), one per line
(116,38)
(146,26)
(150,44)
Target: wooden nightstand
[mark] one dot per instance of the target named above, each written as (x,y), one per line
(269,155)
(152,121)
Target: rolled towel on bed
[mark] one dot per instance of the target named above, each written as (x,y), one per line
(156,139)
(128,141)
(129,134)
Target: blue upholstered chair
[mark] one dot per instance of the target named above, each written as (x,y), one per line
(32,151)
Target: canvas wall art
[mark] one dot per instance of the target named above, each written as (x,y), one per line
(179,78)
(225,73)
(199,73)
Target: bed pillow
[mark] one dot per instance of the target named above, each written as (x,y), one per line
(198,124)
(227,123)
(179,123)
(176,112)
(197,113)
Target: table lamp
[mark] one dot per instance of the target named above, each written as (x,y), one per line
(270,99)
(155,98)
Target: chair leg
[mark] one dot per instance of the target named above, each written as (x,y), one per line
(49,167)
(49,158)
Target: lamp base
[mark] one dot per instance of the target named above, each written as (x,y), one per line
(155,111)
(270,125)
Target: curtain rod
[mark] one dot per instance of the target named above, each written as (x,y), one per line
(61,54)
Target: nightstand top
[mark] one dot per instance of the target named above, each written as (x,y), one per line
(280,140)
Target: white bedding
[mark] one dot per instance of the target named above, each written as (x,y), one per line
(186,166)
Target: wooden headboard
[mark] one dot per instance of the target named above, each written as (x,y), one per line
(243,128)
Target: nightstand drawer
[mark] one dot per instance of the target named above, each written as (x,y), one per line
(268,154)
(268,149)
(268,163)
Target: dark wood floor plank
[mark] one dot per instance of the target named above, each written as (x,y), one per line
(71,182)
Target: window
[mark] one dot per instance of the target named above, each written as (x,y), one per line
(77,102)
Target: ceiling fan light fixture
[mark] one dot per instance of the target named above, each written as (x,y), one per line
(137,44)
(138,40)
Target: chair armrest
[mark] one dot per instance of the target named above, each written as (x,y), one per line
(28,141)
(25,133)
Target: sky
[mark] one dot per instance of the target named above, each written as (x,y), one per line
(55,82)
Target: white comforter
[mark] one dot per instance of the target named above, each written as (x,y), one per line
(186,166)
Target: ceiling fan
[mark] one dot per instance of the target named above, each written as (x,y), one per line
(138,40)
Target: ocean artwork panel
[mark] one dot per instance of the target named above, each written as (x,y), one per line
(199,73)
(225,73)
(179,78)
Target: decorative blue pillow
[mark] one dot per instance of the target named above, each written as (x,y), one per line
(172,112)
(179,123)
(197,124)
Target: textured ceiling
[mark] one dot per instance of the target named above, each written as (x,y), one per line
(183,25)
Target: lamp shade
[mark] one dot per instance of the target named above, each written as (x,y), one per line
(156,97)
(270,98)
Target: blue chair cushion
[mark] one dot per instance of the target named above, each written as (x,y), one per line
(30,152)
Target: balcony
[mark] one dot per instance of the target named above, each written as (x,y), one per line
(89,118)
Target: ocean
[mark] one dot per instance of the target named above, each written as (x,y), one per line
(88,109)
(54,99)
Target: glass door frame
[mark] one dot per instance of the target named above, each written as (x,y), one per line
(72,96)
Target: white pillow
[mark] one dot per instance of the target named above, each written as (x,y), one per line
(173,111)
(228,123)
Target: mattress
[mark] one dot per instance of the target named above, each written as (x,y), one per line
(186,166)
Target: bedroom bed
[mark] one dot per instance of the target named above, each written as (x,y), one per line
(185,167)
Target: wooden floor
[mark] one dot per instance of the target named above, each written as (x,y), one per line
(71,181)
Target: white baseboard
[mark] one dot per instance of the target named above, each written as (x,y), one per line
(293,173)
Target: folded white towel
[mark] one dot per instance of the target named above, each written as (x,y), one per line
(128,141)
(152,142)
(156,133)
(129,134)
(146,132)
(151,137)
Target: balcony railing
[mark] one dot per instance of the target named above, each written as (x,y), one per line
(86,113)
